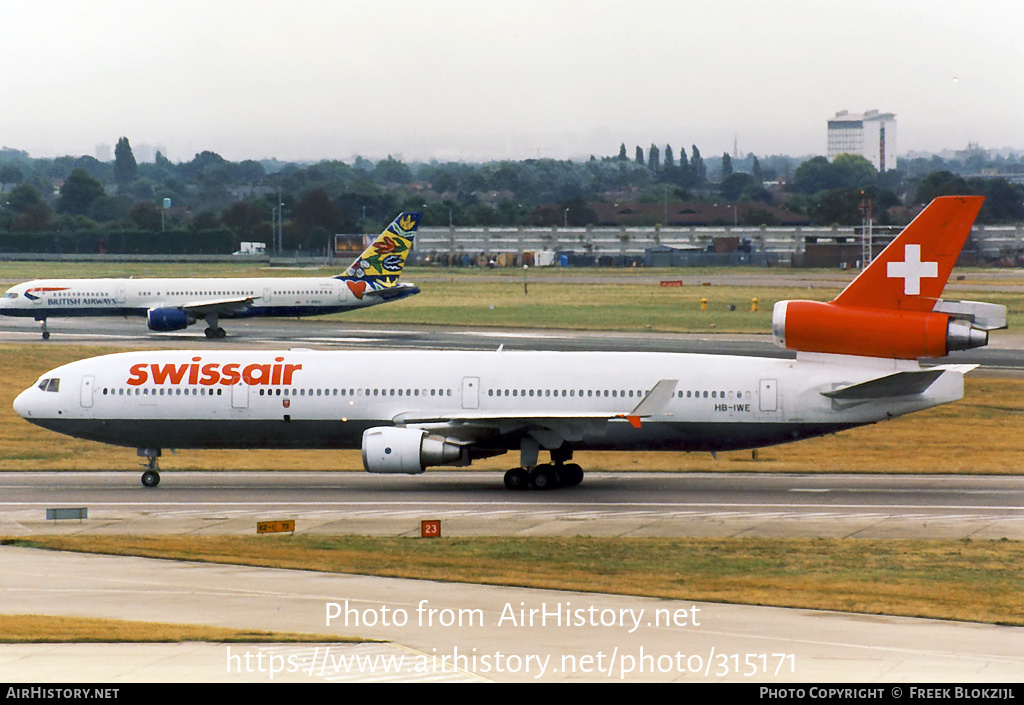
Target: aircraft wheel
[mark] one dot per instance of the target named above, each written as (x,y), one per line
(209,332)
(221,333)
(517,479)
(573,474)
(46,335)
(543,477)
(150,478)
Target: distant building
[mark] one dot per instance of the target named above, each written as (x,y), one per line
(147,152)
(693,214)
(871,135)
(141,152)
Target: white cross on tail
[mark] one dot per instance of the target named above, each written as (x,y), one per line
(912,270)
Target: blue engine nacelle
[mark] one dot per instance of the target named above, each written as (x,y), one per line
(168,319)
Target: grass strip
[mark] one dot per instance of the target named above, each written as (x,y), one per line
(966,580)
(617,299)
(45,629)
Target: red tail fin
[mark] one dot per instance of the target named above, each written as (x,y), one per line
(893,310)
(910,273)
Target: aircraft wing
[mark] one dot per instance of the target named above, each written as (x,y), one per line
(549,428)
(221,307)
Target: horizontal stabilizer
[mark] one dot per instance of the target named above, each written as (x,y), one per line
(399,291)
(900,384)
(980,315)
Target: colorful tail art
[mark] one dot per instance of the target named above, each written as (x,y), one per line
(380,265)
(892,309)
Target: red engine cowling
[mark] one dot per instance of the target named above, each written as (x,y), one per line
(816,326)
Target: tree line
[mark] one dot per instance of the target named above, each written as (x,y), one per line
(313,201)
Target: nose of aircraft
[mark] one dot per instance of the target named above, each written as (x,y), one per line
(22,403)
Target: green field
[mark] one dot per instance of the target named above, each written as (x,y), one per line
(979,581)
(629,300)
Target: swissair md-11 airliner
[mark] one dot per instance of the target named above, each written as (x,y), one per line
(856,364)
(175,304)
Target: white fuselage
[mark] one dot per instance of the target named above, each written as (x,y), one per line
(271,296)
(327,399)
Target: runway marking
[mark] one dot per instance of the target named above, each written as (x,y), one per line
(953,654)
(486,507)
(318,340)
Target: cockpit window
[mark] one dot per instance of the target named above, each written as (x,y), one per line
(50,385)
(11,295)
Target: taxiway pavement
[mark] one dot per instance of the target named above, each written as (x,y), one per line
(453,631)
(435,631)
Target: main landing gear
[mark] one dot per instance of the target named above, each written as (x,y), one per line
(151,477)
(546,476)
(213,329)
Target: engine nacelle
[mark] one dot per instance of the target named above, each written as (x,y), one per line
(393,449)
(816,326)
(167,319)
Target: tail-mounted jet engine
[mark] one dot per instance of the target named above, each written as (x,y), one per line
(825,327)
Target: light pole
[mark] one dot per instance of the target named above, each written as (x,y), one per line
(273,229)
(167,204)
(280,224)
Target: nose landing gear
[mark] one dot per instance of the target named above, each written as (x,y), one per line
(151,477)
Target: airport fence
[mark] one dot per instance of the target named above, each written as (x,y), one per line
(798,246)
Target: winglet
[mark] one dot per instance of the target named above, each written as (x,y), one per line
(382,262)
(652,403)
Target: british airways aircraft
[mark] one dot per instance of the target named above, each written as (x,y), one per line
(856,364)
(175,304)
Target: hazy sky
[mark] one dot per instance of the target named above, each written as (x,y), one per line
(480,79)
